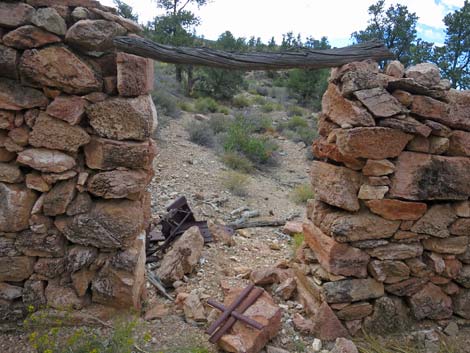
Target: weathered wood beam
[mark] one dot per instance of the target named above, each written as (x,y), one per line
(305,58)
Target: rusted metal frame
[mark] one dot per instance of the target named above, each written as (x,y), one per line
(236,315)
(228,311)
(250,300)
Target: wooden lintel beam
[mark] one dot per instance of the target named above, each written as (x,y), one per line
(305,58)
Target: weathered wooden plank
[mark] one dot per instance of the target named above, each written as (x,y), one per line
(305,58)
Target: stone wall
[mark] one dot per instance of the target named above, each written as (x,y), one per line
(76,121)
(390,222)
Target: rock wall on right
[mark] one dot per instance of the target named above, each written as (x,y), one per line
(390,223)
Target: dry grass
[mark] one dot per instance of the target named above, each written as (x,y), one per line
(236,183)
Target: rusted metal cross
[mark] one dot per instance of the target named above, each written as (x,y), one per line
(233,313)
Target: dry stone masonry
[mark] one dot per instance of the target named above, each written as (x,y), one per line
(76,120)
(390,224)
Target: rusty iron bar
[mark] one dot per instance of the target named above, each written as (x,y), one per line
(255,294)
(236,315)
(226,314)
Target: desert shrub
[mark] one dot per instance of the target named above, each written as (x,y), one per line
(219,83)
(297,122)
(186,106)
(239,138)
(308,85)
(47,335)
(200,133)
(236,183)
(295,110)
(224,110)
(297,241)
(271,107)
(298,129)
(206,105)
(219,123)
(237,161)
(258,100)
(166,103)
(240,101)
(302,193)
(262,91)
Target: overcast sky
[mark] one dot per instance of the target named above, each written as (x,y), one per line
(335,19)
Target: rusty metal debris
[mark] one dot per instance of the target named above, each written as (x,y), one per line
(234,312)
(179,219)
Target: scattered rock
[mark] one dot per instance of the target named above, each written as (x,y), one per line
(182,257)
(193,308)
(343,345)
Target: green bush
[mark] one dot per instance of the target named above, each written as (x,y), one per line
(186,106)
(294,110)
(237,162)
(297,122)
(224,110)
(219,123)
(298,129)
(219,83)
(258,100)
(236,183)
(200,133)
(166,103)
(271,107)
(240,101)
(206,105)
(302,193)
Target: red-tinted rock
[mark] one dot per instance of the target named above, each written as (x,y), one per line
(431,108)
(438,129)
(326,325)
(241,338)
(370,192)
(337,258)
(322,149)
(337,186)
(343,111)
(462,304)
(459,144)
(378,167)
(426,74)
(407,124)
(395,69)
(27,37)
(15,208)
(10,173)
(389,271)
(436,221)
(135,75)
(407,287)
(124,118)
(125,22)
(47,67)
(355,311)
(50,267)
(432,303)
(8,62)
(110,224)
(424,177)
(371,142)
(451,245)
(94,35)
(67,108)
(48,244)
(13,96)
(55,134)
(397,210)
(381,103)
(346,226)
(59,297)
(351,290)
(119,184)
(49,19)
(107,154)
(15,14)
(16,268)
(59,197)
(396,251)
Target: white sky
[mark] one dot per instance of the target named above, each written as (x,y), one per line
(336,19)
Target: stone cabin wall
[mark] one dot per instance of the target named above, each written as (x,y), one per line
(390,223)
(76,120)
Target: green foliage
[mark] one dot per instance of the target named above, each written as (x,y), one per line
(236,183)
(302,193)
(237,161)
(297,122)
(219,83)
(239,138)
(219,123)
(271,107)
(166,103)
(258,99)
(298,129)
(47,338)
(125,10)
(200,134)
(206,105)
(186,106)
(396,26)
(240,101)
(308,85)
(297,241)
(454,58)
(293,110)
